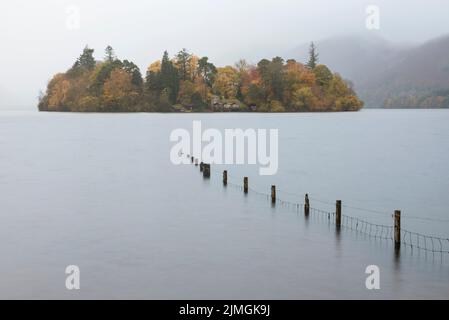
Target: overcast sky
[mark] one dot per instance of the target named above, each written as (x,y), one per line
(40,38)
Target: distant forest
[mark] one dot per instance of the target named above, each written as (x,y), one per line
(433,99)
(188,83)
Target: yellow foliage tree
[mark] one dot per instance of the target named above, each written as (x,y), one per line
(117,87)
(58,88)
(186,91)
(155,67)
(227,82)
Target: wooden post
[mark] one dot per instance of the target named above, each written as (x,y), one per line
(397,229)
(201,167)
(206,170)
(306,205)
(338,214)
(245,184)
(225,177)
(273,194)
(191,159)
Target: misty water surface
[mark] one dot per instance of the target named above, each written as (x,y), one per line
(99,191)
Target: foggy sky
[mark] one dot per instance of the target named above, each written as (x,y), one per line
(36,43)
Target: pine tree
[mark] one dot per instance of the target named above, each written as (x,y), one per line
(182,62)
(86,59)
(208,72)
(169,78)
(109,54)
(132,69)
(313,57)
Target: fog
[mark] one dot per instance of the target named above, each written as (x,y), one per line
(40,38)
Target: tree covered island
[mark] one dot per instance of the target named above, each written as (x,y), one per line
(188,83)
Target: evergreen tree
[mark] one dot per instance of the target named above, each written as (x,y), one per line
(183,64)
(323,75)
(86,59)
(264,70)
(109,54)
(313,57)
(134,70)
(169,78)
(277,77)
(102,74)
(208,71)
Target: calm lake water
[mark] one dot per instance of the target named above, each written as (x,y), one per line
(99,191)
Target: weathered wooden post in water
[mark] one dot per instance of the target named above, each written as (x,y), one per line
(225,177)
(245,184)
(338,214)
(191,159)
(273,194)
(206,170)
(306,205)
(397,229)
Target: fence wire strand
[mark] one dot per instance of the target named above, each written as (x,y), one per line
(413,240)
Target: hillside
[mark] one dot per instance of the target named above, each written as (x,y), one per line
(385,74)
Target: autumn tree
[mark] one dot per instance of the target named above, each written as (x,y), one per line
(101,73)
(152,79)
(186,91)
(323,75)
(226,83)
(118,91)
(192,70)
(243,69)
(57,91)
(303,99)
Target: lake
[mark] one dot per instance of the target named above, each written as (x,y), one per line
(99,191)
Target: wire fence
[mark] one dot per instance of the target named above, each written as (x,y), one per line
(408,238)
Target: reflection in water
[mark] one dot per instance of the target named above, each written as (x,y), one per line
(307,219)
(338,238)
(397,258)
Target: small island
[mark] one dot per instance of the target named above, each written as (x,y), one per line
(188,83)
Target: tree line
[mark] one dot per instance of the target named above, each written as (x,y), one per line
(433,99)
(187,82)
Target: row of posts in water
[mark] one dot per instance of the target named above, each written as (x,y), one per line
(205,169)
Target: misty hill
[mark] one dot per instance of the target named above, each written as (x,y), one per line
(386,74)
